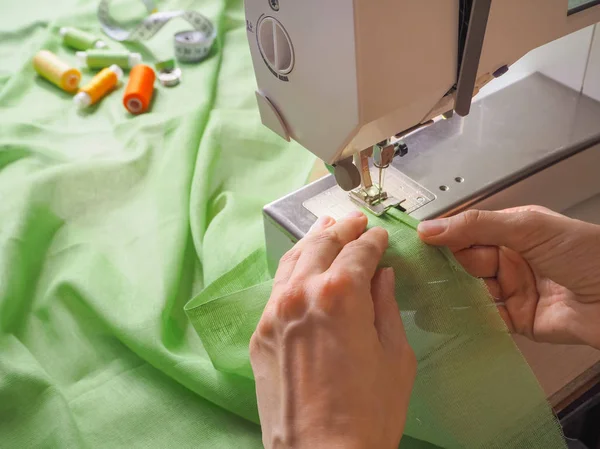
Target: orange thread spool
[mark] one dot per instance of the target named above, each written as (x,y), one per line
(99,86)
(139,89)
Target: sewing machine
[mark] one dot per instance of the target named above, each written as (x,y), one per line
(370,88)
(381,91)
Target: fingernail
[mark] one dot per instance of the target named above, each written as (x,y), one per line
(322,222)
(433,227)
(355,214)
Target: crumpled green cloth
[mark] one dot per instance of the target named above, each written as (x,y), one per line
(109,224)
(473,387)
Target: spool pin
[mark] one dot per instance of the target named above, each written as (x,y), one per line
(79,39)
(59,73)
(100,59)
(98,87)
(140,88)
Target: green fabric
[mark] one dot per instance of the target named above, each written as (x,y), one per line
(109,224)
(577,3)
(473,387)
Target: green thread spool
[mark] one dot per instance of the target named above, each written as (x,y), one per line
(80,40)
(100,59)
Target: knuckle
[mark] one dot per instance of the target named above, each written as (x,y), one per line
(291,256)
(328,237)
(471,217)
(531,224)
(336,283)
(265,330)
(380,235)
(291,304)
(254,346)
(542,209)
(536,234)
(260,344)
(364,245)
(532,218)
(331,291)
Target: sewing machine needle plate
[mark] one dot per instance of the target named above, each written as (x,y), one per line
(401,189)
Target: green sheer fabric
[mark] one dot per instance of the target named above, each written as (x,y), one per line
(473,387)
(574,4)
(109,224)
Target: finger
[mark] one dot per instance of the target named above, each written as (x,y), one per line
(320,248)
(388,322)
(322,223)
(290,259)
(531,208)
(481,262)
(505,315)
(520,231)
(361,257)
(519,290)
(494,288)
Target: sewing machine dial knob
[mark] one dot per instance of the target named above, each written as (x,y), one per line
(275,46)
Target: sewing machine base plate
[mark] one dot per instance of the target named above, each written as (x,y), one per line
(534,142)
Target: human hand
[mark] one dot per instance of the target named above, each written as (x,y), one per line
(332,365)
(541,267)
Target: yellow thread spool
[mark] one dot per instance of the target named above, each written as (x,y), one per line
(48,66)
(100,85)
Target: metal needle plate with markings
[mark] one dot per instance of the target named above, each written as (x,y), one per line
(336,203)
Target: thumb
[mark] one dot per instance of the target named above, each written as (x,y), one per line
(388,322)
(521,231)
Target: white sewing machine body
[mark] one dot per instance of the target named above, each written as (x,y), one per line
(341,77)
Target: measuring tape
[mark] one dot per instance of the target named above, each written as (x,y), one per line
(190,46)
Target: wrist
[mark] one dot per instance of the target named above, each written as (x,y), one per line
(585,328)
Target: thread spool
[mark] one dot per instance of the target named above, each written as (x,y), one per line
(100,59)
(79,39)
(59,73)
(140,88)
(168,74)
(98,87)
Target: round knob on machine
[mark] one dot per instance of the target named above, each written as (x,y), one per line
(346,174)
(275,46)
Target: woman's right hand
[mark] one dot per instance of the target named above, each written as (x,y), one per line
(542,268)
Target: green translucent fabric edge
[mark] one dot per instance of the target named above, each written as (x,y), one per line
(473,388)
